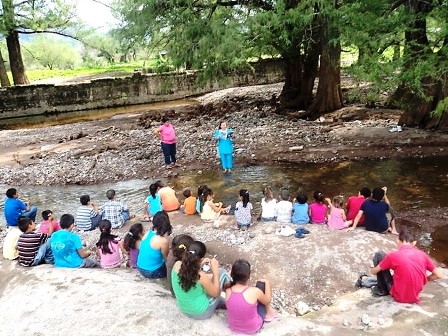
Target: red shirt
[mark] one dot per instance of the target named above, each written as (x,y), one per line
(353,205)
(409,265)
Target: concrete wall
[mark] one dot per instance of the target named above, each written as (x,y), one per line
(48,99)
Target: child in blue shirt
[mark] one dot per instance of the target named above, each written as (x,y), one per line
(67,247)
(300,210)
(15,208)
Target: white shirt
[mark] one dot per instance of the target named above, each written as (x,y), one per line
(268,208)
(283,209)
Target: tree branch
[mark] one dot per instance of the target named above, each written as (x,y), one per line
(29,32)
(105,5)
(20,3)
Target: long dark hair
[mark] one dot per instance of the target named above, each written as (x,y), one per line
(189,270)
(205,193)
(244,194)
(180,244)
(319,197)
(134,234)
(153,189)
(240,272)
(161,223)
(201,189)
(106,237)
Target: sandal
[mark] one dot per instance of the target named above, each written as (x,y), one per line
(271,318)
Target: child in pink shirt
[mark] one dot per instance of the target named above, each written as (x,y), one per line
(318,209)
(108,247)
(49,223)
(337,219)
(247,307)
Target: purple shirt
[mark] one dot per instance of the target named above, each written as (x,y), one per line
(133,255)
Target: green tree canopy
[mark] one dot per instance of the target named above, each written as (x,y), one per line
(51,52)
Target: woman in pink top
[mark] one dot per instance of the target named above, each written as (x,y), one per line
(247,307)
(318,209)
(108,247)
(168,141)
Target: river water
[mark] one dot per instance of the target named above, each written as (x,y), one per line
(412,184)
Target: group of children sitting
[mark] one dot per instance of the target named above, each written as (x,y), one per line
(195,280)
(322,210)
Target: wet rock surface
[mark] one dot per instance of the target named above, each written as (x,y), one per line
(313,288)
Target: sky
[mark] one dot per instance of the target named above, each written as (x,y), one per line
(95,14)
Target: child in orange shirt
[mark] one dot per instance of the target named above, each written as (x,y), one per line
(189,206)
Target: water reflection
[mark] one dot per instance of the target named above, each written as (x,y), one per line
(413,184)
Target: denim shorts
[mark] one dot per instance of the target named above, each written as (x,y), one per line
(161,272)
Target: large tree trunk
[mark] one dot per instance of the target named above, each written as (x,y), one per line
(329,92)
(4,80)
(301,68)
(419,108)
(15,58)
(297,92)
(289,97)
(310,65)
(12,41)
(416,108)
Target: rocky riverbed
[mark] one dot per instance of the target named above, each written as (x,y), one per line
(124,146)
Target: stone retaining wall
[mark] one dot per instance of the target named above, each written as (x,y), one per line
(49,99)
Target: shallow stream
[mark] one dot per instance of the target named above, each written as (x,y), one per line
(412,184)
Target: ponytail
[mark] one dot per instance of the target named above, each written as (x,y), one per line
(318,197)
(189,270)
(205,193)
(132,236)
(244,194)
(106,237)
(180,244)
(153,190)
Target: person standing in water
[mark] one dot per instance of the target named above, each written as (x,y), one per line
(225,146)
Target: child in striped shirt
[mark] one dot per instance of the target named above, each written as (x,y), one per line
(33,247)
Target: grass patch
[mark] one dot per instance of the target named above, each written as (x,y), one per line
(41,74)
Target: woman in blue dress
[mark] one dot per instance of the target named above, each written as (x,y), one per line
(225,146)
